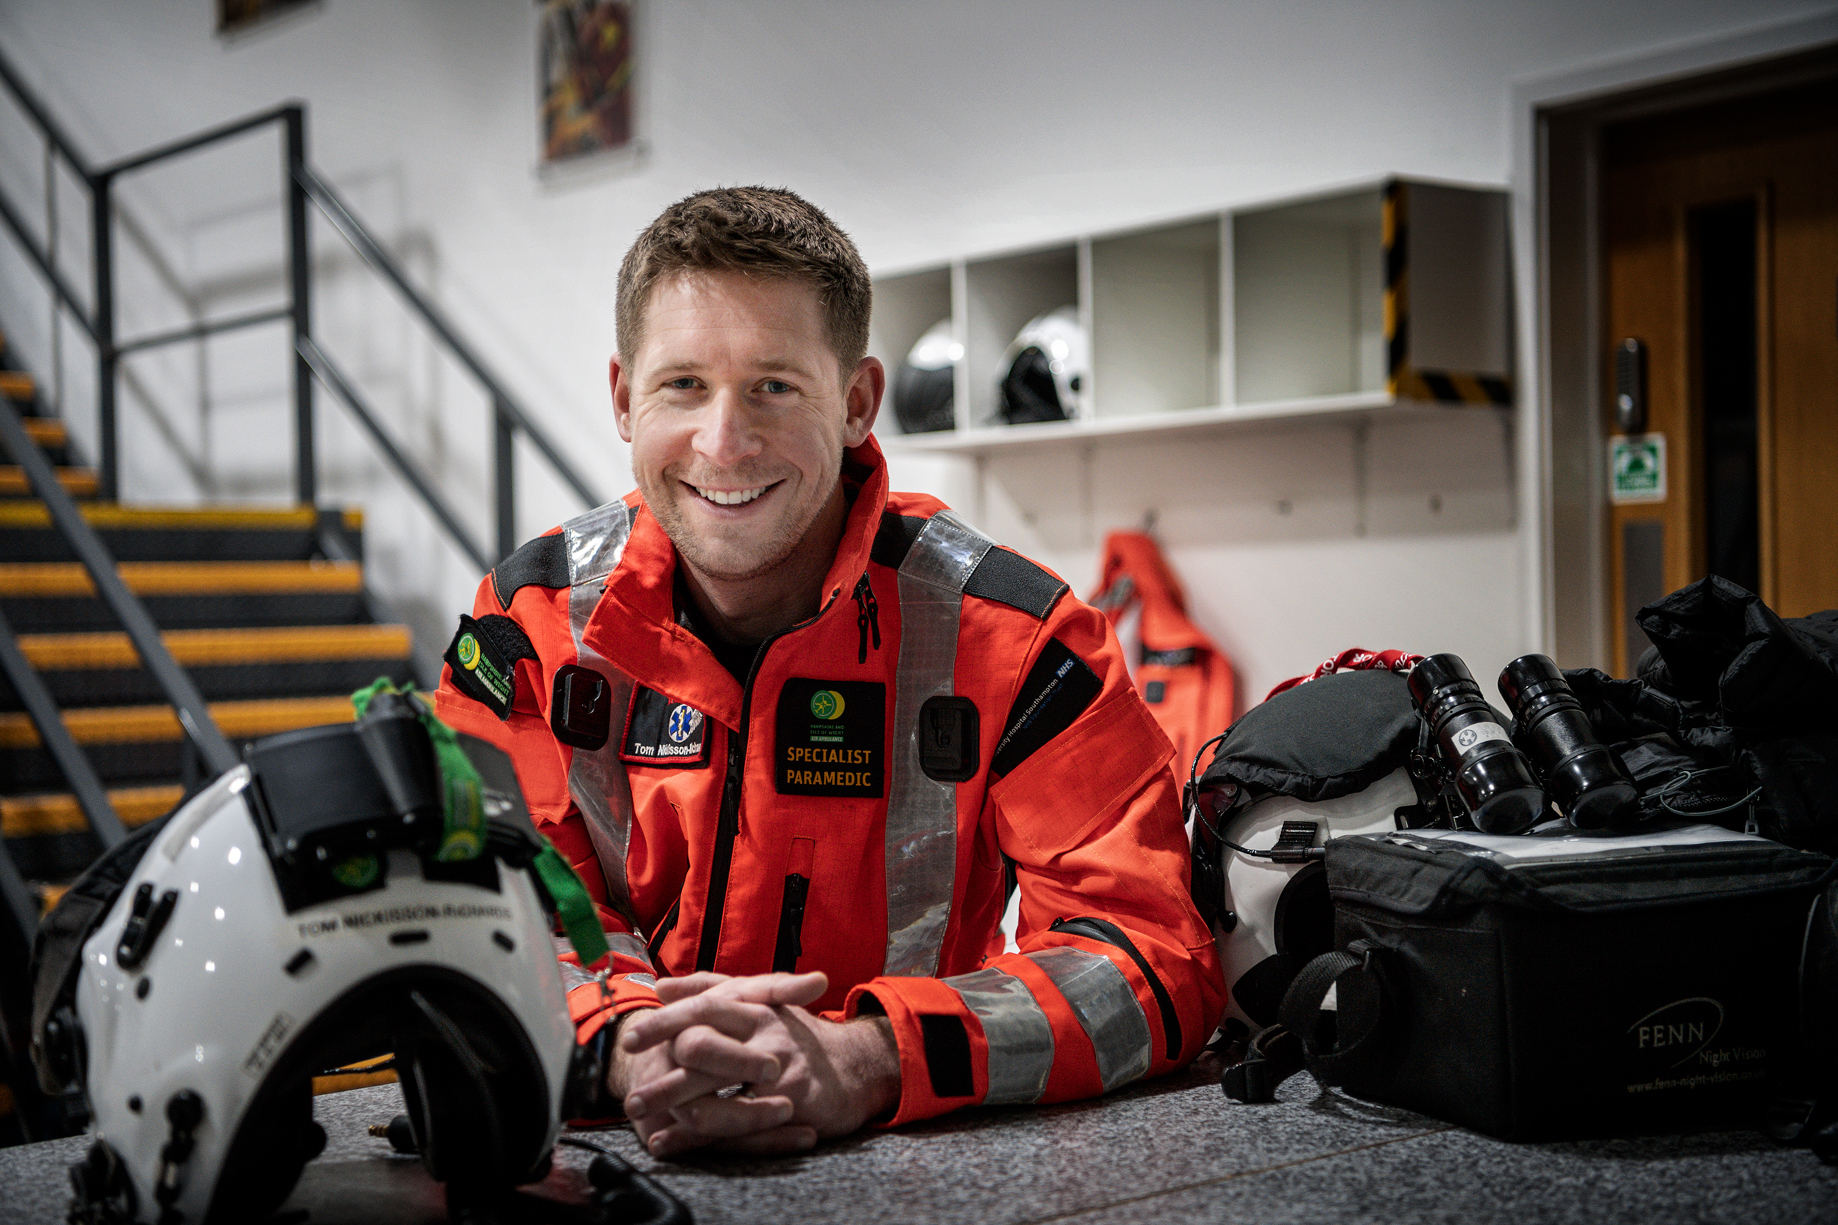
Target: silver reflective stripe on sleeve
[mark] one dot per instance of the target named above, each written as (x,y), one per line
(596,780)
(1020,1036)
(574,976)
(625,944)
(643,980)
(1107,1008)
(921,812)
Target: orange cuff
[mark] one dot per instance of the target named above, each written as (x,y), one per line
(592,1005)
(910,1004)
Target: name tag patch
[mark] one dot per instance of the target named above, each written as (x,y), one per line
(662,732)
(831,738)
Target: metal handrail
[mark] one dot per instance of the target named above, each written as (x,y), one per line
(332,377)
(381,262)
(59,286)
(187,703)
(302,184)
(91,795)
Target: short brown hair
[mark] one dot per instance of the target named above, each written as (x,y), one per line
(761,231)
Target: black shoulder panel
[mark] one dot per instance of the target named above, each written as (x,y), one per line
(1059,688)
(895,538)
(543,562)
(1014,580)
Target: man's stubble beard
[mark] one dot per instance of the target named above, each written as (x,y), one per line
(775,552)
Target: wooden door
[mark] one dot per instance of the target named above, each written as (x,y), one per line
(1720,243)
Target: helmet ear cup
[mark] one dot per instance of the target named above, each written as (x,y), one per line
(469,1084)
(277,1138)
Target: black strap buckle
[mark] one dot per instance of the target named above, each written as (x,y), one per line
(1296,843)
(1274,1056)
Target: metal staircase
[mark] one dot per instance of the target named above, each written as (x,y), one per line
(141,649)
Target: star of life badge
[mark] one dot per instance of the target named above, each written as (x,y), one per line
(660,731)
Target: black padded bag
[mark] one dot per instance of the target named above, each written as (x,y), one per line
(1333,736)
(1641,985)
(1805,1110)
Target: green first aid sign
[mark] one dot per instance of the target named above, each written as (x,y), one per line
(1637,468)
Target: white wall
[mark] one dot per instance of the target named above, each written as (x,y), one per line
(928,130)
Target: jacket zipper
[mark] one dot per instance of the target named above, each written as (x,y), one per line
(791,925)
(727,826)
(867,616)
(1111,934)
(664,929)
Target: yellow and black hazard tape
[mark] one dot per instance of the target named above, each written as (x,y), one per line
(1394,236)
(1403,381)
(1452,387)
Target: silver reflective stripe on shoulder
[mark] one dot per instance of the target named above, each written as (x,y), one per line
(596,780)
(1107,1008)
(596,541)
(1020,1036)
(946,552)
(922,813)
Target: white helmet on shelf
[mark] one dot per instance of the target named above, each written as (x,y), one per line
(1045,369)
(924,389)
(305,911)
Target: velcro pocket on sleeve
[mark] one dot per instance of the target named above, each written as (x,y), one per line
(1083,774)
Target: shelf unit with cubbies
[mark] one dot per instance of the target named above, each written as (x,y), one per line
(1388,300)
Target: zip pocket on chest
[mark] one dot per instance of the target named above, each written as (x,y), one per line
(789,946)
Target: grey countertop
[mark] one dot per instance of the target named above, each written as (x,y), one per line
(1173,1150)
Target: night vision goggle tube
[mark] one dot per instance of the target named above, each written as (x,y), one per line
(1491,775)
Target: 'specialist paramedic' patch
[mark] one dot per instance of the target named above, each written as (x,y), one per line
(484,655)
(831,738)
(661,731)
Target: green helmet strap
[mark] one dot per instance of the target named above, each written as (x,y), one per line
(464,832)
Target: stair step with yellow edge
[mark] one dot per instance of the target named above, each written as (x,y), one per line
(17,385)
(218,648)
(51,596)
(77,482)
(135,743)
(57,812)
(47,431)
(159,533)
(156,578)
(102,669)
(246,720)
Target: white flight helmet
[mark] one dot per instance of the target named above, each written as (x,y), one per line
(1322,760)
(301,913)
(924,390)
(1282,916)
(1045,369)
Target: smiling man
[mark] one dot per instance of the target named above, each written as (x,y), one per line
(802,737)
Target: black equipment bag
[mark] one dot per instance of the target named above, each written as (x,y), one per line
(1805,1109)
(1554,987)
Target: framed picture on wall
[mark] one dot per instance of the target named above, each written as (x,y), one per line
(586,64)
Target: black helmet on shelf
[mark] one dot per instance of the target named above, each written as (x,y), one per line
(923,391)
(1045,368)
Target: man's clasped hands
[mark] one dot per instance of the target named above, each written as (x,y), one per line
(800,1077)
